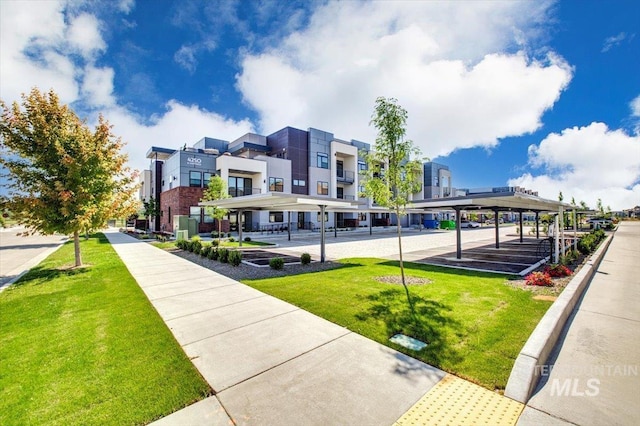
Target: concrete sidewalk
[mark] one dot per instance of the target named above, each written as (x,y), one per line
(270,362)
(593,375)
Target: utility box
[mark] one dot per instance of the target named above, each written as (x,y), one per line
(182,235)
(185,223)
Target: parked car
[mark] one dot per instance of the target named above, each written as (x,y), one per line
(469,224)
(492,221)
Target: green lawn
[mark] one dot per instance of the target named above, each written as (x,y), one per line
(474,323)
(86,347)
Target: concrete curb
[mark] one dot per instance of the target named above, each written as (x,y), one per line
(20,271)
(527,368)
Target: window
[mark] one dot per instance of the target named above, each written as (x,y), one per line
(276,217)
(206,177)
(194,212)
(239,186)
(323,161)
(340,168)
(362,217)
(276,184)
(326,217)
(299,182)
(195,179)
(323,188)
(362,165)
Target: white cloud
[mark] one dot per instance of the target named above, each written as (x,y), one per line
(587,163)
(97,85)
(437,58)
(186,58)
(83,35)
(613,41)
(126,6)
(635,107)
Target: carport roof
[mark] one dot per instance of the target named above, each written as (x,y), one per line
(513,201)
(280,201)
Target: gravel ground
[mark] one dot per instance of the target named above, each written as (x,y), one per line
(247,272)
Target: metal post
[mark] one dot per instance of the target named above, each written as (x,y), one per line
(322,210)
(575,230)
(537,225)
(521,238)
(370,224)
(240,212)
(288,226)
(458,236)
(496,224)
(556,240)
(335,225)
(562,229)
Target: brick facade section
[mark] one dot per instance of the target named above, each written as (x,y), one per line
(177,201)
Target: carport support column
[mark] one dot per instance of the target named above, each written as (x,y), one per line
(322,210)
(335,225)
(520,226)
(240,225)
(537,225)
(458,236)
(496,222)
(288,226)
(556,239)
(575,230)
(562,230)
(370,223)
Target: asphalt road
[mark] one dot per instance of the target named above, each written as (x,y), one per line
(19,254)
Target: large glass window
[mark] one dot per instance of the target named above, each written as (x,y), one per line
(362,165)
(276,217)
(206,178)
(276,184)
(323,188)
(299,182)
(239,186)
(195,179)
(340,168)
(323,161)
(194,212)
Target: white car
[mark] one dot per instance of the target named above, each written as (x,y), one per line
(469,224)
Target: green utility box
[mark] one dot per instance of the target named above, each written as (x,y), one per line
(182,235)
(185,223)
(447,224)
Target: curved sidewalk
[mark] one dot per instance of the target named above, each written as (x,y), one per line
(270,362)
(593,374)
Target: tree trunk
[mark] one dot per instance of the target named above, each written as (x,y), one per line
(404,283)
(76,246)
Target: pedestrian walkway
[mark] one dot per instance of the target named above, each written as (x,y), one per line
(593,375)
(270,362)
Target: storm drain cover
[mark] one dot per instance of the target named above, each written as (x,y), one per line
(408,342)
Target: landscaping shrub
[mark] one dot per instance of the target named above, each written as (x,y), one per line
(247,239)
(235,257)
(557,271)
(276,263)
(223,255)
(589,242)
(539,279)
(213,253)
(231,239)
(215,243)
(214,234)
(181,244)
(204,252)
(569,257)
(196,246)
(305,258)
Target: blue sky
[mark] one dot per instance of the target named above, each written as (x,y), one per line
(543,94)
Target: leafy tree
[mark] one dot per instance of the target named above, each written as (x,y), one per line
(151,208)
(560,196)
(394,173)
(217,190)
(600,207)
(62,177)
(583,205)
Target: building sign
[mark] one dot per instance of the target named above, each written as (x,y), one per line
(194,161)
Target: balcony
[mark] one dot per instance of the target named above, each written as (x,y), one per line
(346,197)
(240,192)
(345,176)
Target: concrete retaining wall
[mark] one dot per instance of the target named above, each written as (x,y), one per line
(526,370)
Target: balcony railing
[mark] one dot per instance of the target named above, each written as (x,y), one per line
(346,176)
(240,192)
(347,197)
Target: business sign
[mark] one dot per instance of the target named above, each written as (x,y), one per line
(194,161)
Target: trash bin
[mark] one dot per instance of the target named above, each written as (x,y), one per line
(447,224)
(430,224)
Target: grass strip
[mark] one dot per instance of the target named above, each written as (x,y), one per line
(474,323)
(85,346)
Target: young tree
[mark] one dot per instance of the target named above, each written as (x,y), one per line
(394,171)
(217,190)
(62,177)
(151,209)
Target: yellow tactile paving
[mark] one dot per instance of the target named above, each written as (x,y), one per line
(454,401)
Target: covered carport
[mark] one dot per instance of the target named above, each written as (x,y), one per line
(502,202)
(286,202)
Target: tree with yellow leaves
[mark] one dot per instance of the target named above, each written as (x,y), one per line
(62,177)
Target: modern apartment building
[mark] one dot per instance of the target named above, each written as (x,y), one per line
(294,161)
